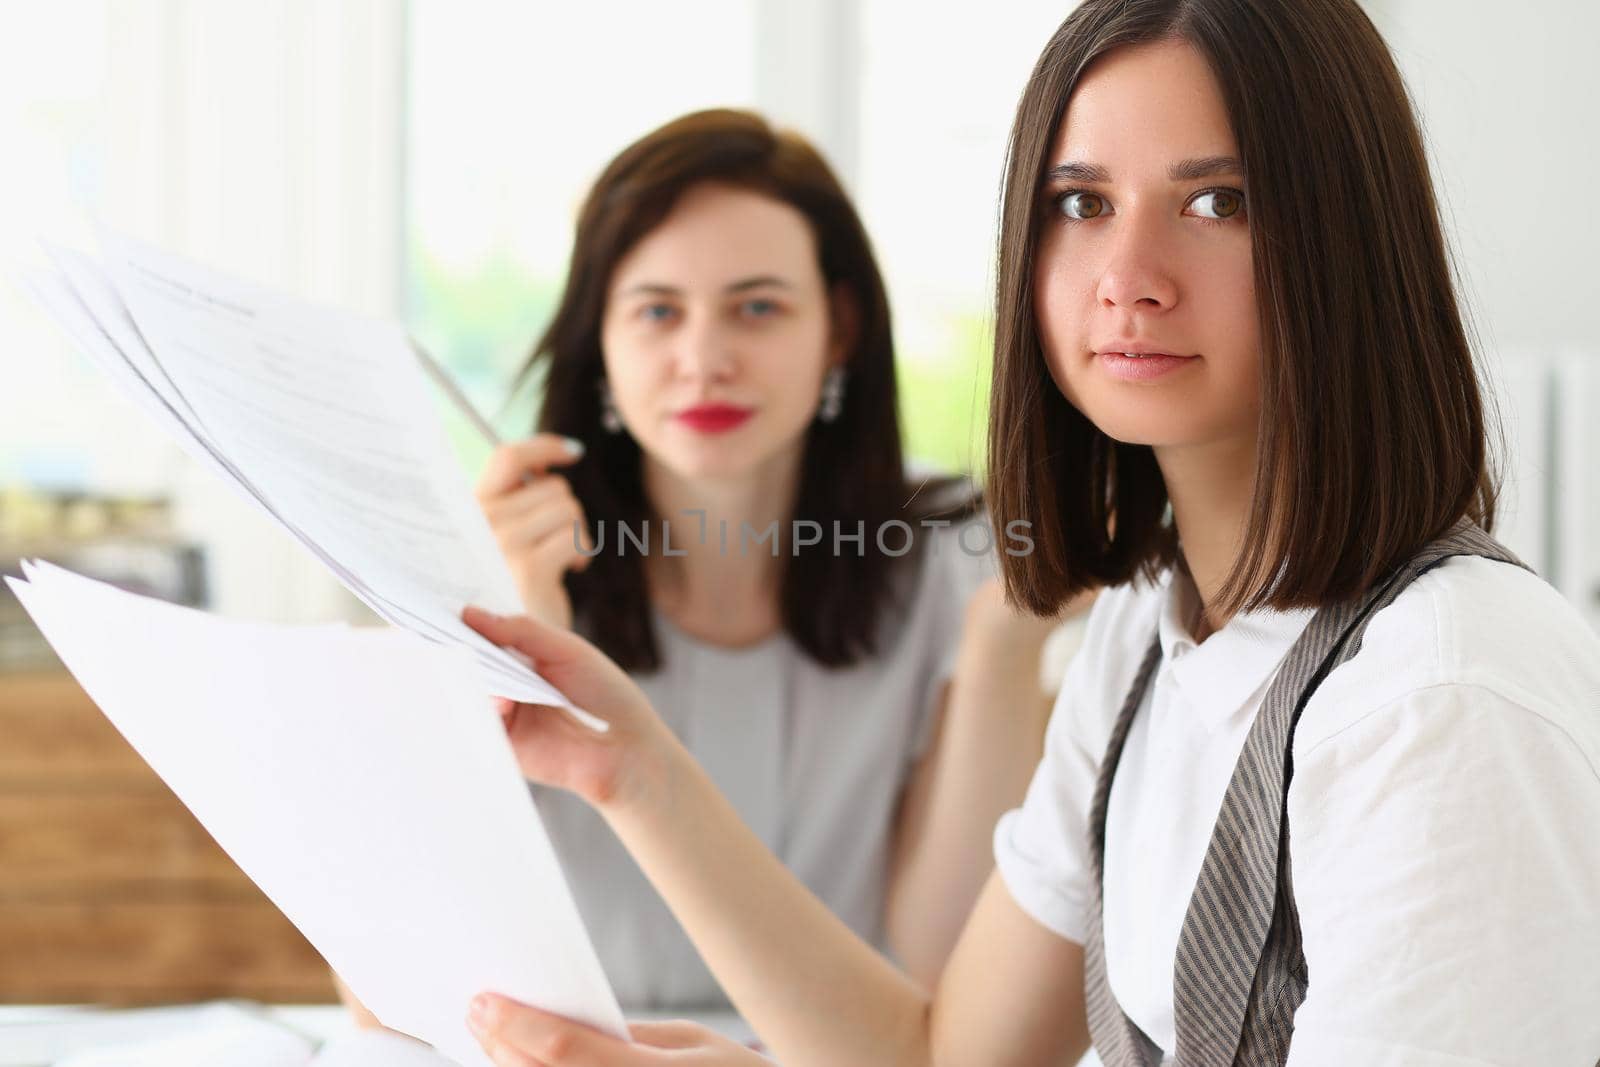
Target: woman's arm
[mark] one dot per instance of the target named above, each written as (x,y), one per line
(988,741)
(1012,995)
(815,993)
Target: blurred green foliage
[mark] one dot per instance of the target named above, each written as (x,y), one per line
(944,398)
(481,324)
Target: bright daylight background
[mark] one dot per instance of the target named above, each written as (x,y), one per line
(424,161)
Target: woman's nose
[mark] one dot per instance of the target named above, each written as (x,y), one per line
(1135,275)
(705,350)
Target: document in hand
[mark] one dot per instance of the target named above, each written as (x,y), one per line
(362,779)
(321,417)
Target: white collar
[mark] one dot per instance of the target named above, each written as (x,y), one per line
(1220,675)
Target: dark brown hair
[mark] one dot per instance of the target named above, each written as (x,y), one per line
(1372,432)
(852,471)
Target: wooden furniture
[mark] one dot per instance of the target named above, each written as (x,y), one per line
(110,891)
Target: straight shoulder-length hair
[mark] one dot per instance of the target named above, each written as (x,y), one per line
(835,603)
(1372,437)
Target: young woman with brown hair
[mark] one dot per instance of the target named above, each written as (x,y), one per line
(1320,786)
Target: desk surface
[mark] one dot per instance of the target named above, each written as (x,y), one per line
(39,1035)
(111,892)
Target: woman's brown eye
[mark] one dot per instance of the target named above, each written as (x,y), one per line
(1082,205)
(1224,204)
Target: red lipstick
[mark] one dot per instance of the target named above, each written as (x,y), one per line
(714,418)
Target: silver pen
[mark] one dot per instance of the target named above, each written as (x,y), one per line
(443,380)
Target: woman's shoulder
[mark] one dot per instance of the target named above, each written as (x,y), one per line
(946,547)
(1471,624)
(1117,634)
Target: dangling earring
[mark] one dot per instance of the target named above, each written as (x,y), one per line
(610,421)
(832,395)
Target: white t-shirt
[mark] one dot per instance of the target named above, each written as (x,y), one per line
(1444,816)
(813,758)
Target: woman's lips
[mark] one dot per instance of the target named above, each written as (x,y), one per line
(1141,368)
(714,418)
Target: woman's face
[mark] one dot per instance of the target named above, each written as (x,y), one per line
(717,334)
(1145,244)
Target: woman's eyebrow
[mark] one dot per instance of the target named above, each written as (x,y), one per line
(757,282)
(1182,171)
(650,289)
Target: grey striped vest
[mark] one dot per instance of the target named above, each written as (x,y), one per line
(1240,973)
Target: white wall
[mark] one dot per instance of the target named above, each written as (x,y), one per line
(264,139)
(1506,95)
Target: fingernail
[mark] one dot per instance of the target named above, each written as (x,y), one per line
(574,446)
(478,1010)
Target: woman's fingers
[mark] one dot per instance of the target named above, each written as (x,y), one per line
(571,664)
(558,551)
(508,1029)
(503,1055)
(548,646)
(541,530)
(610,768)
(515,1035)
(511,505)
(669,1034)
(562,516)
(510,462)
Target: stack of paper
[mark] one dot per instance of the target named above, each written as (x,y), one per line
(320,417)
(362,779)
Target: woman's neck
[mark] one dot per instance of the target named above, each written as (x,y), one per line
(723,588)
(1211,487)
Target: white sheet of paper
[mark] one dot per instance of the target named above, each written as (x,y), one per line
(95,338)
(320,416)
(362,780)
(233,1035)
(43,1035)
(327,409)
(375,1048)
(219,1035)
(64,295)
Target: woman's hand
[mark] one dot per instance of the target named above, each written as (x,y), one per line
(813,990)
(515,1035)
(632,761)
(534,514)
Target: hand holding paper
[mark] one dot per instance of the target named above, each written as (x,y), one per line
(609,770)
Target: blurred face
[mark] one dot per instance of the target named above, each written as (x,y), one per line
(717,335)
(1143,284)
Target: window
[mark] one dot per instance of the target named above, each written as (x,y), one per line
(940,82)
(511,114)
